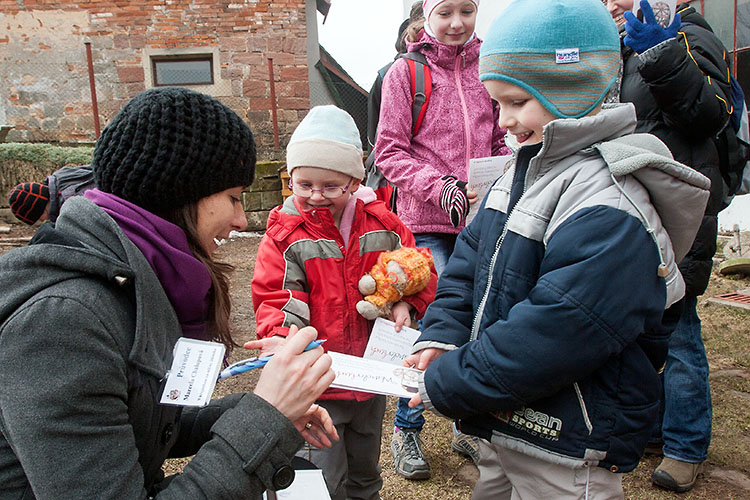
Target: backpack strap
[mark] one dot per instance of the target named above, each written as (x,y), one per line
(421,87)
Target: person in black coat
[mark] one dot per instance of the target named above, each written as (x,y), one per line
(678,78)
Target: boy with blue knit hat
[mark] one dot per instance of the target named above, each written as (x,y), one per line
(549,326)
(317,246)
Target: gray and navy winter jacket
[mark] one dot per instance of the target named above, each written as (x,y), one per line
(551,307)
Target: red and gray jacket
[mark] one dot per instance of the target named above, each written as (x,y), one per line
(306,275)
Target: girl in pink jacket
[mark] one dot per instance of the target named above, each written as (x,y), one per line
(430,169)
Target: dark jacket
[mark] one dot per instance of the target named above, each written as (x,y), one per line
(551,307)
(66,183)
(680,89)
(86,337)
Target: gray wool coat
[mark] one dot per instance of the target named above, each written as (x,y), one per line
(86,336)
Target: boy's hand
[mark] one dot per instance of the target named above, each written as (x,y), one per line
(317,427)
(454,199)
(268,345)
(472,196)
(643,36)
(401,314)
(422,359)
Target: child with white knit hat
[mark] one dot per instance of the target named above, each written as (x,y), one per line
(549,328)
(317,246)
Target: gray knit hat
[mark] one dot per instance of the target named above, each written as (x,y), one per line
(326,138)
(565,53)
(172,146)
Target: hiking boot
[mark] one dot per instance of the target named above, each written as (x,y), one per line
(408,459)
(466,445)
(676,475)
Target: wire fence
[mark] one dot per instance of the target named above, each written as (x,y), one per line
(51,101)
(347,98)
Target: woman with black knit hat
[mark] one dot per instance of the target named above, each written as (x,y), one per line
(93,308)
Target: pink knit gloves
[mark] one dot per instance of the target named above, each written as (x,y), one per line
(453,199)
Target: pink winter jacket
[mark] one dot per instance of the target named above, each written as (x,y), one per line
(460,123)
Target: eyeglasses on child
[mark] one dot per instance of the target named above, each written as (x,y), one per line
(306,190)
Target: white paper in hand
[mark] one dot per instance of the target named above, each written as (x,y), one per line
(386,344)
(376,377)
(483,172)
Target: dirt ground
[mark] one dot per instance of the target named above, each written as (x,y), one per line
(726,330)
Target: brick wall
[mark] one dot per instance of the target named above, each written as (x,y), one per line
(44,85)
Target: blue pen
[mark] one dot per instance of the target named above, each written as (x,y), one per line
(252,363)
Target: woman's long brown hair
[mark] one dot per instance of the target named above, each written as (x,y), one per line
(219,302)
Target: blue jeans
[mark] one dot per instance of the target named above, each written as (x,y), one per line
(441,246)
(686,424)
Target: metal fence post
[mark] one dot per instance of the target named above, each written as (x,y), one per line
(92,85)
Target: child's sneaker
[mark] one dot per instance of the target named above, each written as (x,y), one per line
(466,445)
(408,459)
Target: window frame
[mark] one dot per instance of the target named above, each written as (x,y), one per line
(161,58)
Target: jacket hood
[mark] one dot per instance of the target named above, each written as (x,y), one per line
(86,243)
(671,185)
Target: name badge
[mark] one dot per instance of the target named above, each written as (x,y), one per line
(564,56)
(194,372)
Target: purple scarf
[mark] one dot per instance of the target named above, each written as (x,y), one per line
(184,278)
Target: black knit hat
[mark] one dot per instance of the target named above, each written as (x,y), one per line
(28,200)
(172,146)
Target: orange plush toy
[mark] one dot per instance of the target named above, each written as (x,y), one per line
(397,273)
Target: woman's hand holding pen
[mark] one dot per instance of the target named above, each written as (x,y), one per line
(293,379)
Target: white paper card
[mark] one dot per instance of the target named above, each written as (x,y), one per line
(195,369)
(664,10)
(377,377)
(307,485)
(483,172)
(386,344)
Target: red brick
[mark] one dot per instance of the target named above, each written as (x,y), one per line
(294,102)
(293,73)
(254,88)
(260,103)
(129,74)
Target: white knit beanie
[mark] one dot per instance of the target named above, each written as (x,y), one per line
(326,138)
(429,5)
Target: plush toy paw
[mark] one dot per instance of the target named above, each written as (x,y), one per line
(370,311)
(367,285)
